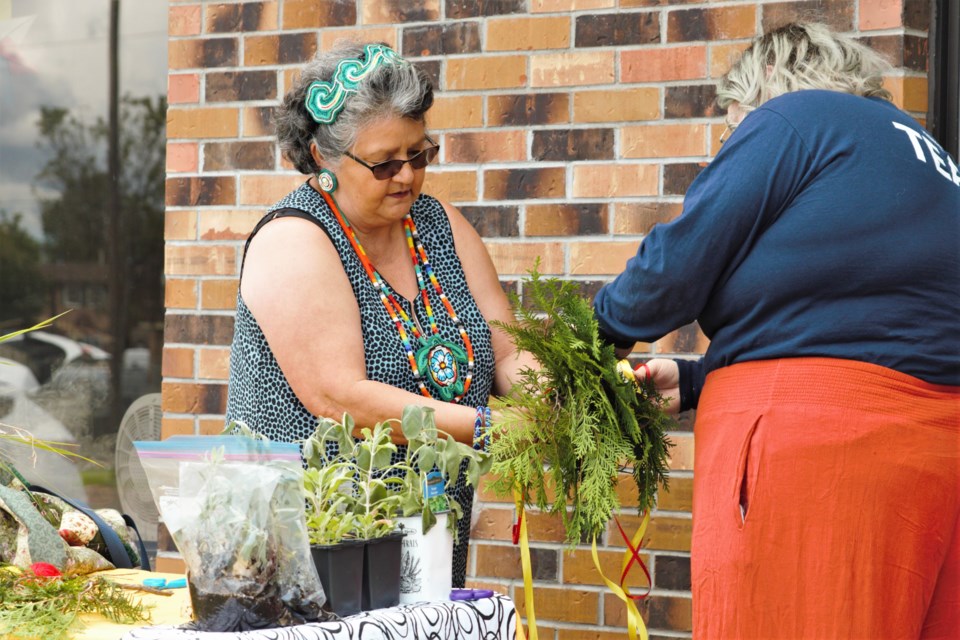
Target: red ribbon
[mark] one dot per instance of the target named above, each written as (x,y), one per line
(634,557)
(516,529)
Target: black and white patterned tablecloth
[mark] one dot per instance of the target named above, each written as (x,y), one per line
(485,619)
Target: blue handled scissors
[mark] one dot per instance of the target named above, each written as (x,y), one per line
(161,583)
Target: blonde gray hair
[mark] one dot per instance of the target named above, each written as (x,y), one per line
(391,90)
(802,56)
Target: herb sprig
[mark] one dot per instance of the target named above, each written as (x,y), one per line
(32,607)
(567,430)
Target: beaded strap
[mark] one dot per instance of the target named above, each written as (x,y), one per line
(481,429)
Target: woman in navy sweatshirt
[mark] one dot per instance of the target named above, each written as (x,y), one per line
(820,253)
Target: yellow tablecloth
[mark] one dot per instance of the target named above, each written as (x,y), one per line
(172,609)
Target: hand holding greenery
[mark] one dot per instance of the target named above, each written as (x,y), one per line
(575,415)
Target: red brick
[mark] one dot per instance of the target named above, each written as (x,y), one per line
(522,184)
(486,72)
(722,23)
(578,568)
(660,612)
(399,12)
(574,68)
(451,186)
(527,109)
(205,259)
(182,397)
(184,20)
(596,180)
(211,426)
(183,88)
(567,6)
(266,189)
(456,112)
(387,34)
(517,33)
(214,364)
(619,105)
(637,218)
(310,14)
(183,157)
(663,64)
(664,532)
(207,122)
(477,147)
(518,258)
(600,258)
(180,225)
(219,293)
(170,426)
(227,224)
(180,293)
(564,604)
(177,363)
(679,496)
(663,141)
(493,524)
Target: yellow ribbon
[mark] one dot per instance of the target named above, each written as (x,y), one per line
(527,572)
(635,624)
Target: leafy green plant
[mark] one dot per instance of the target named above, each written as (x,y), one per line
(355,493)
(568,429)
(428,448)
(359,491)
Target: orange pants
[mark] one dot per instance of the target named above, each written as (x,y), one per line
(825,503)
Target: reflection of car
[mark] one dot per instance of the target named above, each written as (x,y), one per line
(17,376)
(50,470)
(46,353)
(70,379)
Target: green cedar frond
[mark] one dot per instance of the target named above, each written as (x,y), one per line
(565,430)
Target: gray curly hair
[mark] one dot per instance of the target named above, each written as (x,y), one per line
(391,90)
(802,56)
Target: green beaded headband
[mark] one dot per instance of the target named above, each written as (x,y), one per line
(325,100)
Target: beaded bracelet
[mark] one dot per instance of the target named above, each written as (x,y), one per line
(481,426)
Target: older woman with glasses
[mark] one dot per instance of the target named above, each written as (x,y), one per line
(820,253)
(359,293)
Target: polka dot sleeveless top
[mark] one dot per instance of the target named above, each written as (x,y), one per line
(259,393)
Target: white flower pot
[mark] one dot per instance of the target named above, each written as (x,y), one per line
(426,561)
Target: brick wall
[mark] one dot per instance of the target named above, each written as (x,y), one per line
(568,128)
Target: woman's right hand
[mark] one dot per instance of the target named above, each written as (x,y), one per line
(665,375)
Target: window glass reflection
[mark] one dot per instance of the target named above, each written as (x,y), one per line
(75,380)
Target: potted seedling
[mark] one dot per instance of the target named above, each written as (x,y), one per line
(361,488)
(435,461)
(355,491)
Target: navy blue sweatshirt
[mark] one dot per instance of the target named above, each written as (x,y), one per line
(828,225)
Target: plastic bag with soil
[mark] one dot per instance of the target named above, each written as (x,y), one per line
(235,509)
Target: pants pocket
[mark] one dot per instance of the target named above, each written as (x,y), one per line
(748,470)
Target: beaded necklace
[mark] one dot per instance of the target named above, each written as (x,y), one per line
(443,360)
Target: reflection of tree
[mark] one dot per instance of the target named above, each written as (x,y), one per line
(75,221)
(21,285)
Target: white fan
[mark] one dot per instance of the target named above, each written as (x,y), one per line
(140,422)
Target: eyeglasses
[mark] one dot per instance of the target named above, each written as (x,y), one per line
(390,168)
(727,132)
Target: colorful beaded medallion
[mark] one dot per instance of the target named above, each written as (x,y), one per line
(442,369)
